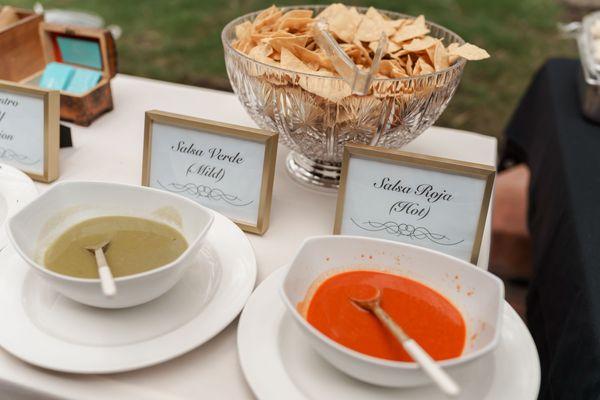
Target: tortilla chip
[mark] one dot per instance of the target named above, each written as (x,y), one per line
(332,10)
(391,47)
(261,52)
(298,14)
(392,69)
(291,62)
(266,13)
(371,26)
(452,58)
(417,68)
(353,51)
(417,45)
(279,42)
(409,66)
(243,46)
(333,90)
(414,29)
(468,51)
(422,67)
(259,37)
(267,18)
(294,24)
(342,21)
(452,46)
(243,30)
(364,53)
(438,56)
(389,26)
(312,57)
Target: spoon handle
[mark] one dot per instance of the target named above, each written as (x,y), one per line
(419,355)
(431,368)
(106,278)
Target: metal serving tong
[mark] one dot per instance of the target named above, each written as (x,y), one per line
(358,80)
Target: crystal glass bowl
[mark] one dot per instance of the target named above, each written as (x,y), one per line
(316,128)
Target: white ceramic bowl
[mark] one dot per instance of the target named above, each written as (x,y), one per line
(65,204)
(476,293)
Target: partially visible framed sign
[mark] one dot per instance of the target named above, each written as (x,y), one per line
(29,130)
(428,201)
(224,167)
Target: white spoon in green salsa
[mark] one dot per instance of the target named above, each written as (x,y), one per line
(106,278)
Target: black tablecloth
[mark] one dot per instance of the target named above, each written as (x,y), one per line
(562,149)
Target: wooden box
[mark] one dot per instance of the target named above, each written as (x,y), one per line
(83,108)
(20,47)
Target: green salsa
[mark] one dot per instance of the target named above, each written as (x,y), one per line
(136,245)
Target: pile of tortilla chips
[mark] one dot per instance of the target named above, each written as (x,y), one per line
(285,39)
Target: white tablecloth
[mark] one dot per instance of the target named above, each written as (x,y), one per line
(111,150)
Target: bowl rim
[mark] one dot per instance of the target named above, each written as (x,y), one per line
(380,362)
(459,64)
(40,268)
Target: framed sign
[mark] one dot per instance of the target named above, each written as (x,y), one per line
(29,130)
(225,167)
(428,201)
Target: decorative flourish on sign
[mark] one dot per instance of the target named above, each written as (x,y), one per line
(11,155)
(408,230)
(204,191)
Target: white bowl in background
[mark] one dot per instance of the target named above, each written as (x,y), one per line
(65,204)
(476,293)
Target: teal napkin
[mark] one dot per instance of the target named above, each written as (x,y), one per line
(56,76)
(80,51)
(83,80)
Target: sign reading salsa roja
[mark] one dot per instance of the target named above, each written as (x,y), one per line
(437,203)
(224,167)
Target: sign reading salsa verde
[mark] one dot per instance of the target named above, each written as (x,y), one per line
(224,167)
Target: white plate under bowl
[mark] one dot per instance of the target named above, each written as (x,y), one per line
(278,362)
(16,190)
(46,329)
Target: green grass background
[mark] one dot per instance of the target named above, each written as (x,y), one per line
(179,41)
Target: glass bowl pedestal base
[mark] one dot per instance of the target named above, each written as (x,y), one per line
(314,174)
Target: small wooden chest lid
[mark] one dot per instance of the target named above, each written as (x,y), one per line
(87,47)
(20,49)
